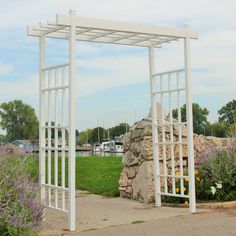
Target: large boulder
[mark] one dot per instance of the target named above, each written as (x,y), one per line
(136,180)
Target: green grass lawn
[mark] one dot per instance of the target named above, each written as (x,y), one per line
(99,175)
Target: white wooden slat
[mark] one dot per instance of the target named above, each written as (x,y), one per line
(63,189)
(63,138)
(163,137)
(49,138)
(56,88)
(170,91)
(171,135)
(174,195)
(55,66)
(56,140)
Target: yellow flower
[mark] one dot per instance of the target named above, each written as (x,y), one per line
(184,189)
(198,179)
(186,203)
(178,174)
(177,190)
(187,179)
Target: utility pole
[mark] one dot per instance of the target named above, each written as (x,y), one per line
(104,132)
(86,138)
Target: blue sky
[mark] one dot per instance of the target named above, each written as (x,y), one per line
(113,83)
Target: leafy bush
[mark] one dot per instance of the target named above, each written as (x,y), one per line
(215,178)
(20,209)
(218,177)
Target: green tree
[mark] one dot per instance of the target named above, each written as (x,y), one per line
(199,117)
(119,130)
(19,120)
(3,138)
(218,129)
(97,134)
(85,136)
(228,112)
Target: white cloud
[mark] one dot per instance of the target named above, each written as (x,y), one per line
(119,71)
(213,55)
(6,69)
(25,88)
(168,11)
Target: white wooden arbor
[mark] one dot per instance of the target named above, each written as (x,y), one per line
(58,107)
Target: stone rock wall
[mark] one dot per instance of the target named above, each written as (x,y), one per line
(136,180)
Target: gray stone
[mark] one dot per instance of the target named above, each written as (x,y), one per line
(135,147)
(129,159)
(123,182)
(146,149)
(137,133)
(127,141)
(144,123)
(143,186)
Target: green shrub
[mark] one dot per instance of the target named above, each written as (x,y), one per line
(215,178)
(218,177)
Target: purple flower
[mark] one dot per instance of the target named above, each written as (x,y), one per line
(19,203)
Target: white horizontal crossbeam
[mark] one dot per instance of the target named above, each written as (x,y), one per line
(56,208)
(125,27)
(174,195)
(56,187)
(112,32)
(170,91)
(168,72)
(55,66)
(55,88)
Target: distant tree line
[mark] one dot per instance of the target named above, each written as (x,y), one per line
(224,127)
(19,121)
(99,134)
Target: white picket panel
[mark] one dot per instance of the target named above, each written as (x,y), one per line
(53,127)
(167,90)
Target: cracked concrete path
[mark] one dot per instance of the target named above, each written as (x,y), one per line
(97,215)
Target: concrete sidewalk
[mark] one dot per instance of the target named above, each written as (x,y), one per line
(97,215)
(206,224)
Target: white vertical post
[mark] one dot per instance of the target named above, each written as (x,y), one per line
(42,152)
(156,164)
(72,119)
(188,81)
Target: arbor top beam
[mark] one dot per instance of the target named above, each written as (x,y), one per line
(111,32)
